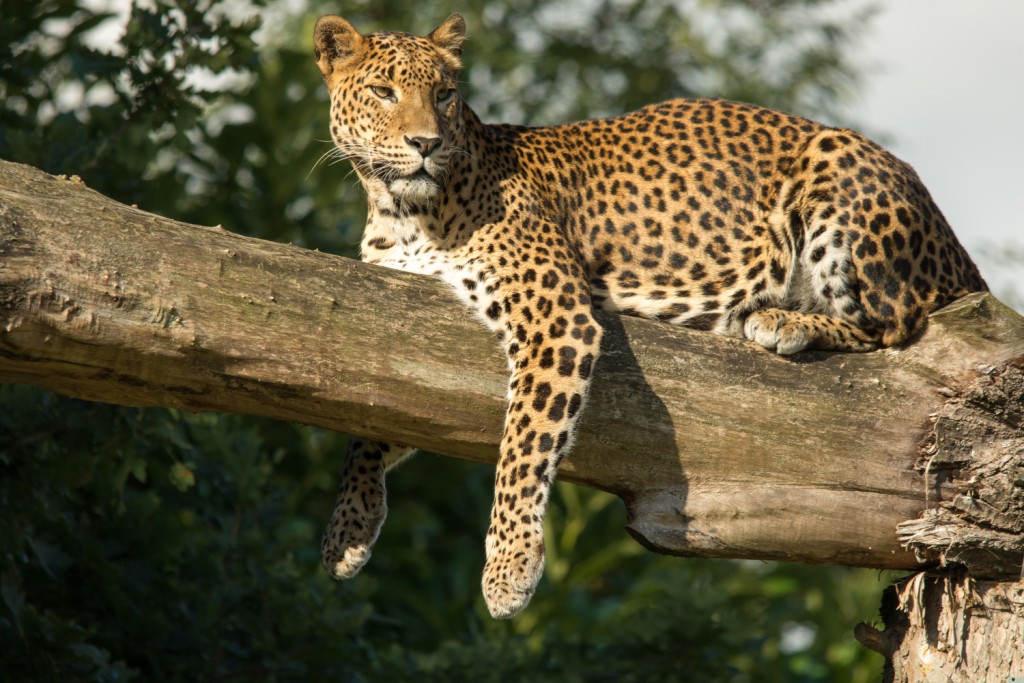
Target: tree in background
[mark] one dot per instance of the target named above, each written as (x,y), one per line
(158,545)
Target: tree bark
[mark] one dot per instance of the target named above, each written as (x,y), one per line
(718,448)
(946,627)
(950,625)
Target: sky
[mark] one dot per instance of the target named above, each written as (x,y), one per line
(946,89)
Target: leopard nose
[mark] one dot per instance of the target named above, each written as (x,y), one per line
(423,145)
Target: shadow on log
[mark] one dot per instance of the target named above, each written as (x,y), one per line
(718,448)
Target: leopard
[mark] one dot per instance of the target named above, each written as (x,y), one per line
(710,214)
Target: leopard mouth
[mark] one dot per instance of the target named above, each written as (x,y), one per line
(392,175)
(422,174)
(420,184)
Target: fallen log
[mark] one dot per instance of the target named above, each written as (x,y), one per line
(718,448)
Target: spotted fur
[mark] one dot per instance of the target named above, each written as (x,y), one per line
(709,214)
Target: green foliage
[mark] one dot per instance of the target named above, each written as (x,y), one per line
(161,545)
(107,115)
(549,61)
(157,545)
(167,546)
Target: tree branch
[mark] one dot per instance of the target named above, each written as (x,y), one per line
(718,448)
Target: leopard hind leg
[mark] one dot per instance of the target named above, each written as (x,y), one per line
(872,254)
(820,307)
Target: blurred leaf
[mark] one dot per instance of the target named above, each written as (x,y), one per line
(14,596)
(182,478)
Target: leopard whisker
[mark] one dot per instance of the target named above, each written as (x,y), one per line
(331,154)
(463,152)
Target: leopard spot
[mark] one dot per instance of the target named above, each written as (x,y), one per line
(567,361)
(541,394)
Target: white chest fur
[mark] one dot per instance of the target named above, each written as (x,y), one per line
(405,243)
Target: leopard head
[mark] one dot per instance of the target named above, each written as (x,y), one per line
(395,106)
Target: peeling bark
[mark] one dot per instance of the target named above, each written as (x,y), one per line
(946,627)
(973,458)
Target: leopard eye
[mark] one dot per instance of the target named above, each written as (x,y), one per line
(445,95)
(383,92)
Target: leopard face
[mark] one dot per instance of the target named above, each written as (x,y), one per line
(394,104)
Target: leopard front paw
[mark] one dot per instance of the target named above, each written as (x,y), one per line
(346,543)
(510,577)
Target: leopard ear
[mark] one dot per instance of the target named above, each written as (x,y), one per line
(448,37)
(335,41)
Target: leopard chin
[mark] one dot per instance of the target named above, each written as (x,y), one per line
(418,186)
